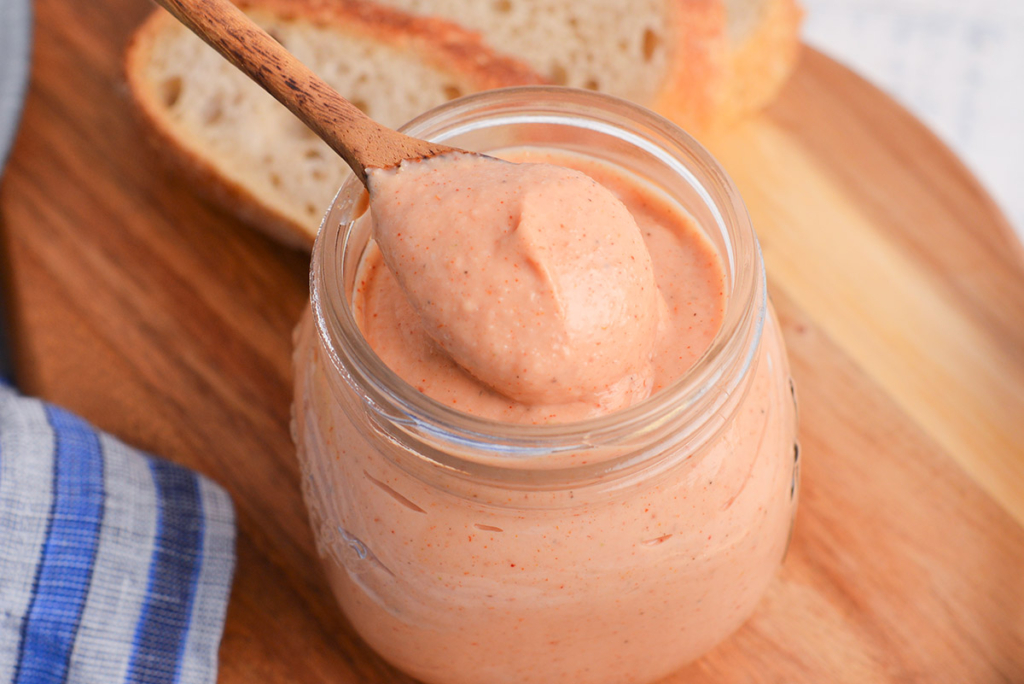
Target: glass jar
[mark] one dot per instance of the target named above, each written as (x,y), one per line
(610,550)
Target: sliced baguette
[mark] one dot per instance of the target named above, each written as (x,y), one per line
(669,55)
(699,62)
(245,151)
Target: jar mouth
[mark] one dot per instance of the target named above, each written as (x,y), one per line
(463,122)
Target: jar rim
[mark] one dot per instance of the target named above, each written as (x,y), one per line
(517,445)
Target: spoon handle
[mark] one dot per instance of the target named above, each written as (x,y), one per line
(362,142)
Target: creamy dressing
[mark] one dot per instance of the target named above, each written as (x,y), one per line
(459,584)
(535,292)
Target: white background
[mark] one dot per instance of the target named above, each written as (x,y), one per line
(957,64)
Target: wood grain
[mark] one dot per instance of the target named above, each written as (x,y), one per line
(899,287)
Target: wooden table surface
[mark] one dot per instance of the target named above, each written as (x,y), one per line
(898,283)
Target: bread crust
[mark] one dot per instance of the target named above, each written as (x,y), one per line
(762,63)
(446,46)
(693,87)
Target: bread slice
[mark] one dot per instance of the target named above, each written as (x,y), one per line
(669,55)
(248,152)
(699,62)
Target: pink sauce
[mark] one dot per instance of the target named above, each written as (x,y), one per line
(456,583)
(532,277)
(504,303)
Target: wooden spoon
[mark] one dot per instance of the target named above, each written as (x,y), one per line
(361,141)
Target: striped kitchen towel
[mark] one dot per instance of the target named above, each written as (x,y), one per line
(115,566)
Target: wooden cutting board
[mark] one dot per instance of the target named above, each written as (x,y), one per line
(899,286)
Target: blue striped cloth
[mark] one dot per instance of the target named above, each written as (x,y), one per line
(114,566)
